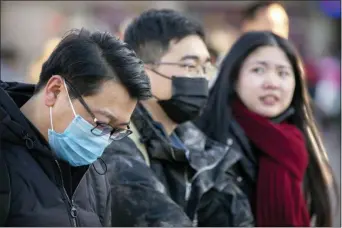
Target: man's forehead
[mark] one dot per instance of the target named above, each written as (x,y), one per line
(189,46)
(113,101)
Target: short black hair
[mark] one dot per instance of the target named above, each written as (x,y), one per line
(87,60)
(251,11)
(150,33)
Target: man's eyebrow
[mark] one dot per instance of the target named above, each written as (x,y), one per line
(190,57)
(111,117)
(194,57)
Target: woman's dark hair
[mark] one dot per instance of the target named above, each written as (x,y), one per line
(217,114)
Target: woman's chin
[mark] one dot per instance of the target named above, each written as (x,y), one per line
(268,113)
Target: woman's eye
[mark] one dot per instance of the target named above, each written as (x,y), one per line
(258,70)
(283,73)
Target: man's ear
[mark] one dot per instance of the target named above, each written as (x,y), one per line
(52,89)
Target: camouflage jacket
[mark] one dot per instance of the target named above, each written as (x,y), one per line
(181,188)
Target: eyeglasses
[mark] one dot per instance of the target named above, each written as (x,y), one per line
(102,128)
(115,133)
(193,69)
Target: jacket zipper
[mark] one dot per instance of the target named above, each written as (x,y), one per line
(187,186)
(186,179)
(73,210)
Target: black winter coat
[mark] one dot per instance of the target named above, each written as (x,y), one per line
(44,191)
(231,205)
(202,183)
(138,197)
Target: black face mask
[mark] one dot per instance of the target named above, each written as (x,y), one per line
(189,97)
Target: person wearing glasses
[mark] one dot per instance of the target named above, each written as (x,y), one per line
(53,134)
(184,163)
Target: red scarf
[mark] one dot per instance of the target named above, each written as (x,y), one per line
(283,159)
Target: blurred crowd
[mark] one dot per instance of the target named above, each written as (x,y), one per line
(323,70)
(322,65)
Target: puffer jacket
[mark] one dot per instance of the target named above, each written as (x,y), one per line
(138,197)
(43,190)
(195,179)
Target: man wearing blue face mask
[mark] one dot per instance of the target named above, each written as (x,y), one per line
(52,135)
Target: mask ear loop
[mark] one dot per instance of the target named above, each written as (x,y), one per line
(51,122)
(72,107)
(161,75)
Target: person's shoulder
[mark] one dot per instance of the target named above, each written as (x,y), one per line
(189,130)
(126,163)
(124,147)
(193,137)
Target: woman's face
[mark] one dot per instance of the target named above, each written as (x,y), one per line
(266,81)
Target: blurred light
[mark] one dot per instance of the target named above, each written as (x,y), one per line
(123,26)
(279,18)
(277,13)
(331,8)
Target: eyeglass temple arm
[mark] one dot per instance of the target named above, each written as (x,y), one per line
(82,101)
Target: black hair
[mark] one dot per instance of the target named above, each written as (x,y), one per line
(252,10)
(87,60)
(150,33)
(218,114)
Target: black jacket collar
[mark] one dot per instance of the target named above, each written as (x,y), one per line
(203,151)
(158,144)
(14,126)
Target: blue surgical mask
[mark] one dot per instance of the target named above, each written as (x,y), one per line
(77,145)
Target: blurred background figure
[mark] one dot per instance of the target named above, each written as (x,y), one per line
(9,61)
(266,15)
(123,26)
(36,66)
(221,40)
(328,91)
